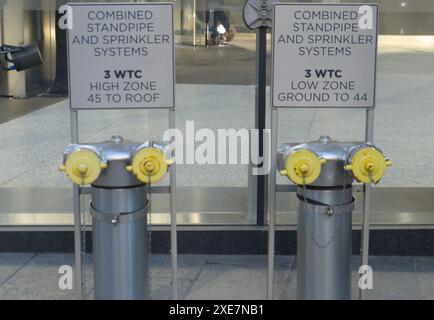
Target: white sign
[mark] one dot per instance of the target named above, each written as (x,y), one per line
(121,55)
(324,55)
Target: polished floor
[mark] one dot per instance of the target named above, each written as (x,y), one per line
(14,108)
(36,276)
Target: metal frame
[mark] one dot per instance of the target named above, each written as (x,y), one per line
(257,183)
(78,190)
(273,188)
(260,111)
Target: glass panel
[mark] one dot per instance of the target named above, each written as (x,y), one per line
(217,78)
(214,90)
(403,115)
(190,21)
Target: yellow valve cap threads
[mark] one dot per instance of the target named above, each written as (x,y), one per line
(368,165)
(83,167)
(149,165)
(303,167)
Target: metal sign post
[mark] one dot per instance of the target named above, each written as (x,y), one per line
(364,247)
(324,56)
(257,16)
(121,56)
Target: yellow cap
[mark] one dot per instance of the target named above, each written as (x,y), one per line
(368,165)
(82,167)
(149,165)
(303,167)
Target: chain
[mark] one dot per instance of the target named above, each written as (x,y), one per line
(83,234)
(149,230)
(329,213)
(335,227)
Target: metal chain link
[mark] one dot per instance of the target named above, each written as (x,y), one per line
(329,212)
(335,228)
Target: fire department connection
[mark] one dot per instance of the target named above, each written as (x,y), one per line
(324,172)
(120,173)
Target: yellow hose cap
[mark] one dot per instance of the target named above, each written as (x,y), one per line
(149,165)
(303,167)
(368,165)
(82,167)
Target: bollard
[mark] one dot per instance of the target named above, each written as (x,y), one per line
(324,172)
(119,173)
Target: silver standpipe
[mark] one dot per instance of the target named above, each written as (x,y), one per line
(119,173)
(324,172)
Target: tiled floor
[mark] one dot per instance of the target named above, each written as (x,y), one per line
(36,276)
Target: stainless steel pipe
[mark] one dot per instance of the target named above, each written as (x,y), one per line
(324,244)
(120,243)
